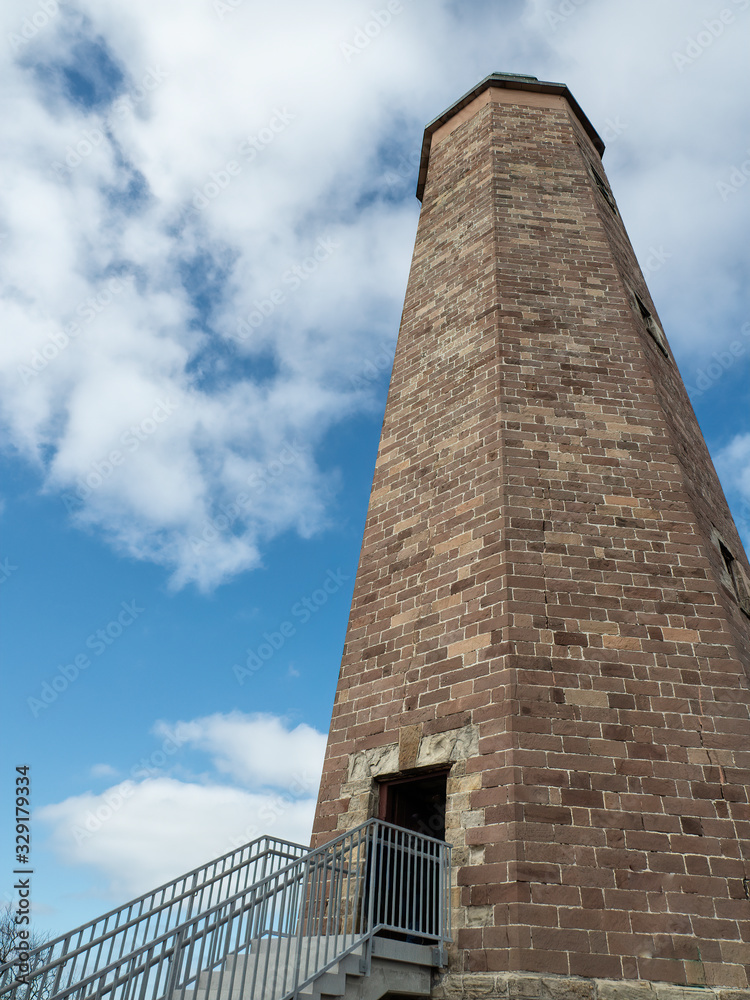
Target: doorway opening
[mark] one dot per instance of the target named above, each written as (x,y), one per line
(416,803)
(407,869)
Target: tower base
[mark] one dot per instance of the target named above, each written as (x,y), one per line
(539,986)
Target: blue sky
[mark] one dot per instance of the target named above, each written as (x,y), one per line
(206,222)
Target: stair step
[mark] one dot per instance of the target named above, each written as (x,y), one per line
(237,971)
(351,963)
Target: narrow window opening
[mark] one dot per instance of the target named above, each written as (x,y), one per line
(603,188)
(735,575)
(656,332)
(727,556)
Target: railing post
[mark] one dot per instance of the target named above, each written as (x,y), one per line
(263,872)
(302,916)
(374,862)
(191,900)
(174,968)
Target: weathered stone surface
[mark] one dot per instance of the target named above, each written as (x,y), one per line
(522,987)
(408,746)
(637,990)
(479,916)
(379,760)
(453,745)
(666,991)
(478,984)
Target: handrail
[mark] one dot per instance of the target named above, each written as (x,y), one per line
(287,928)
(137,920)
(178,932)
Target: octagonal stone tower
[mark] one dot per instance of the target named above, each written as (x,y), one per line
(548,652)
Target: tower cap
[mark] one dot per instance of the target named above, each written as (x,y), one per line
(508,81)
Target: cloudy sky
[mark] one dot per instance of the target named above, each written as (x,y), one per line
(207,213)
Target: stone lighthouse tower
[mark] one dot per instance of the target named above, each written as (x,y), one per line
(548,653)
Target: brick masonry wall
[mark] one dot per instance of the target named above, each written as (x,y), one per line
(538,602)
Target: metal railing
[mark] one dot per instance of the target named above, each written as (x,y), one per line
(273,938)
(59,964)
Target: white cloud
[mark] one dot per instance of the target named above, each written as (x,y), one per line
(256,751)
(71,400)
(735,463)
(196,86)
(140,833)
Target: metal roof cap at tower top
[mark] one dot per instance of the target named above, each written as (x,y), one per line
(508,81)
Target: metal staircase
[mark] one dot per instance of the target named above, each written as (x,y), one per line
(271,921)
